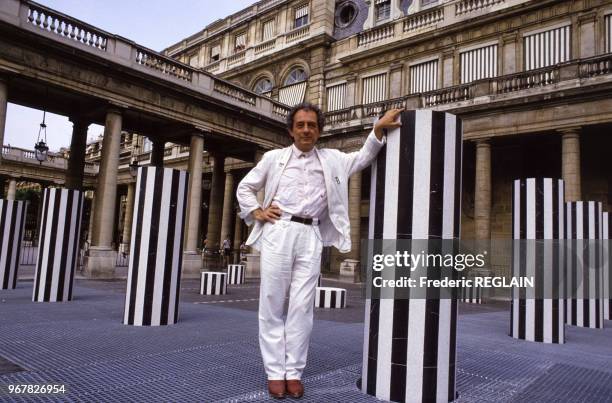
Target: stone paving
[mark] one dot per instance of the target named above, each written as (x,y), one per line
(212,354)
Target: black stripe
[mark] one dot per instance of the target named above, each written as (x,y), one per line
(523,258)
(180,261)
(597,269)
(156,194)
(66,239)
(13,230)
(332,299)
(574,266)
(399,342)
(342,299)
(539,260)
(41,243)
(5,204)
(458,180)
(137,244)
(171,236)
(585,267)
(22,219)
(379,205)
(52,244)
(77,235)
(555,261)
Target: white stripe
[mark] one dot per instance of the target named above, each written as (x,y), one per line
(6,230)
(444,344)
(43,269)
(530,266)
(59,244)
(71,240)
(178,230)
(448,198)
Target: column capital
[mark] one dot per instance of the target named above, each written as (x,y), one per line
(570,131)
(115,109)
(484,142)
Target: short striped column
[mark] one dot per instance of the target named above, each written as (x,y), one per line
(607,265)
(12,222)
(58,245)
(537,226)
(235,274)
(154,273)
(330,297)
(584,304)
(410,344)
(213,283)
(471,295)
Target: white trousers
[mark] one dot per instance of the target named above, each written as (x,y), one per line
(290,266)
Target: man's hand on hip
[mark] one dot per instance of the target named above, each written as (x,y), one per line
(388,121)
(271,214)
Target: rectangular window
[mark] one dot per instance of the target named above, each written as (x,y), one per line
(215,53)
(336,94)
(608,29)
(292,94)
(478,63)
(267,31)
(374,89)
(547,48)
(301,16)
(382,9)
(424,77)
(240,42)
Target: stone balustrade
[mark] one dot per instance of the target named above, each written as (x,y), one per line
(595,66)
(469,6)
(423,20)
(527,79)
(376,34)
(298,33)
(163,64)
(54,161)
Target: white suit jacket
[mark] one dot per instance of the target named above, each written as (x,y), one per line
(337,168)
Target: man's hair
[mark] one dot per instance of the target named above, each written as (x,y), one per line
(305,106)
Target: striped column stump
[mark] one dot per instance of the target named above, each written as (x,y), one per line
(584,303)
(410,344)
(58,245)
(471,295)
(235,273)
(537,226)
(154,269)
(12,221)
(213,283)
(607,265)
(330,297)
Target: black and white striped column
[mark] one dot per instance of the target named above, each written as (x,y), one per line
(58,245)
(607,265)
(537,227)
(213,283)
(584,303)
(12,221)
(471,295)
(410,344)
(235,274)
(154,274)
(330,297)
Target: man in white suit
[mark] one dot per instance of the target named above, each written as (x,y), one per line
(305,207)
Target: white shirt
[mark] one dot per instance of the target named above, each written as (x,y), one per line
(301,190)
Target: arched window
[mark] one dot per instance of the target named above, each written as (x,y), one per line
(263,86)
(296,75)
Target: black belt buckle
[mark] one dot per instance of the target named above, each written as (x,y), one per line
(301,220)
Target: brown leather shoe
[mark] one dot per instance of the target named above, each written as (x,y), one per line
(295,388)
(276,389)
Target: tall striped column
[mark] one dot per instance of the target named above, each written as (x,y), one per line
(154,272)
(12,221)
(58,245)
(607,265)
(410,344)
(537,227)
(584,303)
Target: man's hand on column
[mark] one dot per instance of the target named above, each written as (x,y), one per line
(271,214)
(388,121)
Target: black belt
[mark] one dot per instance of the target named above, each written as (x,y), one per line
(301,220)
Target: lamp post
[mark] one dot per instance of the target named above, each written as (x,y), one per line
(41,150)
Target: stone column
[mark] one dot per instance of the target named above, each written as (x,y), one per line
(129,213)
(102,258)
(228,207)
(92,208)
(3,103)
(215,208)
(570,163)
(76,161)
(237,238)
(157,153)
(12,189)
(482,196)
(192,262)
(349,267)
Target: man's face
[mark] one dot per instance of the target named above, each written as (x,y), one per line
(305,130)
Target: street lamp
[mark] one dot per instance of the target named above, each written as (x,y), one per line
(134,163)
(41,150)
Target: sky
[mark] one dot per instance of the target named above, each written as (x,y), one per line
(155,24)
